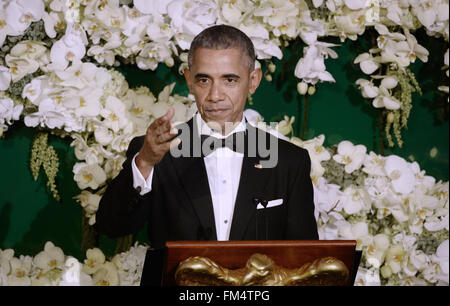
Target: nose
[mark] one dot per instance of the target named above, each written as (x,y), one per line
(215,93)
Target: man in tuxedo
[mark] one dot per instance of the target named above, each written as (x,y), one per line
(226,190)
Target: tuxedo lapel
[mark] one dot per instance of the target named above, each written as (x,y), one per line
(251,184)
(192,174)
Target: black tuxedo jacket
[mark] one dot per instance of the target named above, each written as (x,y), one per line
(179,206)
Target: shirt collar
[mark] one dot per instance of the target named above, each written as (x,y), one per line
(204,129)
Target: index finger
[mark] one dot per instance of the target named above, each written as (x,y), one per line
(164,119)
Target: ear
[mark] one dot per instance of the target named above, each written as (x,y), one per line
(254,80)
(187,76)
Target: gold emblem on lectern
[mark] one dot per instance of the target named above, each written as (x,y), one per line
(260,270)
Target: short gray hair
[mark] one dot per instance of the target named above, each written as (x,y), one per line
(222,37)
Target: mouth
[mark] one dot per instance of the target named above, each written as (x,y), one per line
(216,112)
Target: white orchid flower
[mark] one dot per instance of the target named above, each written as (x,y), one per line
(354,200)
(69,48)
(81,75)
(326,198)
(103,135)
(367,277)
(52,257)
(264,47)
(152,6)
(437,223)
(350,155)
(28,49)
(442,259)
(415,50)
(20,67)
(86,103)
(91,176)
(111,15)
(106,275)
(310,29)
(358,231)
(253,116)
(330,230)
(24,58)
(426,11)
(233,11)
(425,182)
(190,18)
(317,154)
(130,265)
(21,13)
(350,23)
(367,63)
(402,177)
(395,256)
(8,111)
(102,55)
(180,110)
(311,68)
(93,154)
(399,49)
(281,15)
(73,275)
(158,30)
(385,98)
(94,261)
(367,88)
(416,261)
(114,113)
(377,186)
(285,126)
(140,104)
(5,28)
(374,164)
(134,26)
(52,20)
(396,53)
(355,4)
(37,90)
(152,54)
(120,143)
(50,114)
(389,204)
(19,274)
(5,78)
(5,257)
(113,166)
(376,250)
(89,201)
(386,35)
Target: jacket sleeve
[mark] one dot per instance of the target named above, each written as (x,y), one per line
(301,223)
(122,210)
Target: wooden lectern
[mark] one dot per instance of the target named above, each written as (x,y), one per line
(160,265)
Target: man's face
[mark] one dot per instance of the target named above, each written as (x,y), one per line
(220,81)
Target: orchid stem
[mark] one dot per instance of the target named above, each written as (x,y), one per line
(305,116)
(380,126)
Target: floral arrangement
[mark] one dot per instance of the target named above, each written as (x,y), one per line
(52,268)
(57,74)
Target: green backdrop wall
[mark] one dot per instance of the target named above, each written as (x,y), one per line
(29,216)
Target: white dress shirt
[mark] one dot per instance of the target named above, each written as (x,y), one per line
(223,167)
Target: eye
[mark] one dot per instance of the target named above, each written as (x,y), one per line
(231,80)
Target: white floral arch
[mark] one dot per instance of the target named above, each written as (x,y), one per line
(398,214)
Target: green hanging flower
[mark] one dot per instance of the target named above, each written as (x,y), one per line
(43,155)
